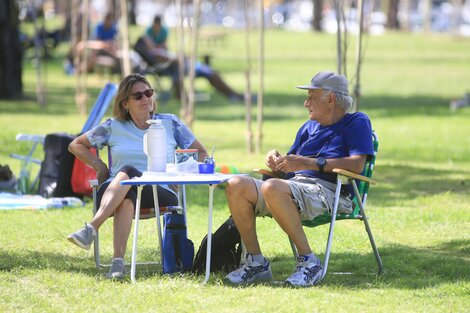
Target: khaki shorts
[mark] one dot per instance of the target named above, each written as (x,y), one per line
(312,196)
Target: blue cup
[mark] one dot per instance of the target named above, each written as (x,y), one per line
(206,168)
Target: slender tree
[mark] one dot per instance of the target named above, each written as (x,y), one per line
(11,52)
(392,14)
(132,18)
(317,15)
(192,61)
(259,111)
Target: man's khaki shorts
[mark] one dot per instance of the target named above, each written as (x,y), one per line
(312,196)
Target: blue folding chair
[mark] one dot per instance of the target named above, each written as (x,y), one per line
(100,106)
(95,117)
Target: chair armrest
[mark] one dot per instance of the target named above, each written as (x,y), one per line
(335,170)
(30,137)
(266,173)
(354,175)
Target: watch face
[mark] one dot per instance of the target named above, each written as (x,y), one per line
(321,161)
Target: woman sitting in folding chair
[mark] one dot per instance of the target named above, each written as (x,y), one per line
(331,138)
(123,135)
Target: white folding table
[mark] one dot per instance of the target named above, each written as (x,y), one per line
(154,179)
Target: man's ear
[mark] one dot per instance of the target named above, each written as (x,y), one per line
(331,97)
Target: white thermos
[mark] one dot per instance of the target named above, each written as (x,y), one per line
(155,146)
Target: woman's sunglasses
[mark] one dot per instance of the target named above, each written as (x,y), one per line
(139,94)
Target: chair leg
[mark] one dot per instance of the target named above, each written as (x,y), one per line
(96,242)
(294,249)
(369,231)
(332,225)
(96,251)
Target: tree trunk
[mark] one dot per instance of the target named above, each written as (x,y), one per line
(11,52)
(132,18)
(392,14)
(317,15)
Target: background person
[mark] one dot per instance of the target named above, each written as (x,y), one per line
(152,47)
(331,138)
(123,135)
(103,42)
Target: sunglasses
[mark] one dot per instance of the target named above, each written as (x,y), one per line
(139,94)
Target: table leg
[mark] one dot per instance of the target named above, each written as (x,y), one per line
(209,234)
(183,201)
(136,232)
(157,216)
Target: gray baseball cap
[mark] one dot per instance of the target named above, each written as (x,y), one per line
(329,81)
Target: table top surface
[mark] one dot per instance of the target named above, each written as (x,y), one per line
(154,178)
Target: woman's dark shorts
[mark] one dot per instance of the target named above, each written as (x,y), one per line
(165,197)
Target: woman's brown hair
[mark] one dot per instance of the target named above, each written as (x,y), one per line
(125,87)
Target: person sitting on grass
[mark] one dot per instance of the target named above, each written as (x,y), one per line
(331,138)
(123,135)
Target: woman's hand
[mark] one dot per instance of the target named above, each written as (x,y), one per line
(102,171)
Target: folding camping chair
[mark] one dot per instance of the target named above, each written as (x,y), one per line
(359,201)
(145,213)
(96,114)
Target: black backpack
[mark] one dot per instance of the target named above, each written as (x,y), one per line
(225,252)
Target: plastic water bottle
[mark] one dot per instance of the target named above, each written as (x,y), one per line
(155,146)
(65,202)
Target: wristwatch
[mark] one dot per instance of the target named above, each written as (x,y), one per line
(321,162)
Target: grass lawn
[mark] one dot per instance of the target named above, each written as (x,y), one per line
(418,211)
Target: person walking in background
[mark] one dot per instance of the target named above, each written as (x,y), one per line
(123,135)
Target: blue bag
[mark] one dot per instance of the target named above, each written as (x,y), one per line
(178,250)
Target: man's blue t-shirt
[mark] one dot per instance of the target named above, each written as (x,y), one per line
(101,33)
(352,135)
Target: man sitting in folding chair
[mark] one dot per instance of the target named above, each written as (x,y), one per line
(331,138)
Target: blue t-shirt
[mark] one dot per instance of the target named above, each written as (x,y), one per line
(125,141)
(101,33)
(352,135)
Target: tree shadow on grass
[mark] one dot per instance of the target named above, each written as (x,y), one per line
(36,260)
(279,107)
(405,267)
(60,101)
(405,182)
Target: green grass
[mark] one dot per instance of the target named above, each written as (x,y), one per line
(418,211)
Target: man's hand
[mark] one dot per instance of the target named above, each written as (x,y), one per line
(271,158)
(291,163)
